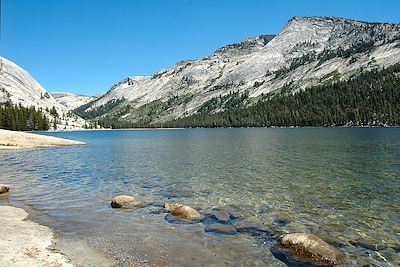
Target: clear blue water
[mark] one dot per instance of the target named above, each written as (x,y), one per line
(340,184)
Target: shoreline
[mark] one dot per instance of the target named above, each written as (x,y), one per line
(27,243)
(108,129)
(191,128)
(41,245)
(10,140)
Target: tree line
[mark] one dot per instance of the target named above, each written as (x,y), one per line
(369,99)
(19,118)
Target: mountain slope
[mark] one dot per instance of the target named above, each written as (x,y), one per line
(309,51)
(18,86)
(72,101)
(369,99)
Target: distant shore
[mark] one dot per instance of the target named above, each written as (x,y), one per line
(18,140)
(243,127)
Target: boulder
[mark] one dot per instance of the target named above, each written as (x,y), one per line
(123,201)
(311,249)
(172,206)
(187,213)
(4,189)
(226,229)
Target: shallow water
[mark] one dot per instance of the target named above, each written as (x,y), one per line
(340,184)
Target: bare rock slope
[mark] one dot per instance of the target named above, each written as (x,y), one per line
(308,51)
(19,87)
(72,101)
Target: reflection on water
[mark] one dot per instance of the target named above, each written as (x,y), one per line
(340,184)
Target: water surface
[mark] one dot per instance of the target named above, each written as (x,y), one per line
(340,184)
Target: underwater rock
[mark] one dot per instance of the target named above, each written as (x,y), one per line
(282,221)
(126,202)
(368,244)
(221,215)
(310,248)
(4,189)
(156,203)
(187,213)
(238,212)
(254,228)
(178,220)
(248,224)
(226,229)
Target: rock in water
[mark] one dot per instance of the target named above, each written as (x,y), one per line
(221,215)
(171,207)
(186,212)
(311,248)
(226,229)
(4,189)
(178,220)
(123,201)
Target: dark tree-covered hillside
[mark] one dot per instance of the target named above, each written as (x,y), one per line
(19,118)
(370,99)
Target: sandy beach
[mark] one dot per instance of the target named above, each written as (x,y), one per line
(17,140)
(26,243)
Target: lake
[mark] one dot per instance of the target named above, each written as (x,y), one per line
(341,184)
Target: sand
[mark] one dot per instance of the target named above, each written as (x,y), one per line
(17,140)
(26,243)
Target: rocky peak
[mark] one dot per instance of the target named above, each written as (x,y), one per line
(308,51)
(248,45)
(302,35)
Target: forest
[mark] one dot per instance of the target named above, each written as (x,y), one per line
(19,118)
(369,99)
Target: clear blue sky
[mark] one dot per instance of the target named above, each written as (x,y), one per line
(85,46)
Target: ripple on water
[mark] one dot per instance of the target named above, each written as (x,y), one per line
(339,184)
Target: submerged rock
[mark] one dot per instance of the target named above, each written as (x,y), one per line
(310,248)
(238,212)
(4,189)
(156,203)
(221,215)
(254,228)
(123,201)
(282,221)
(226,229)
(178,220)
(187,213)
(368,244)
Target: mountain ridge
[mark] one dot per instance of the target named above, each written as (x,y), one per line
(19,87)
(71,101)
(307,52)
